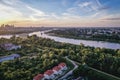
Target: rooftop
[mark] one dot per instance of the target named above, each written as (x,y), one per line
(49,72)
(57,68)
(38,77)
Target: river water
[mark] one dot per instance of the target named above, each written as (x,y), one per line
(100,44)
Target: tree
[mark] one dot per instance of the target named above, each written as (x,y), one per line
(118,53)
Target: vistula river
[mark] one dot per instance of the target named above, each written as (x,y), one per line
(100,44)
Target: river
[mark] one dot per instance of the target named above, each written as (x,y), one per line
(100,44)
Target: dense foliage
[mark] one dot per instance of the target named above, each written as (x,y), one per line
(40,54)
(106,60)
(89,34)
(92,74)
(36,57)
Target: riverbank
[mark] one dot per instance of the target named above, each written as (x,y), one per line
(79,38)
(96,44)
(93,34)
(21,30)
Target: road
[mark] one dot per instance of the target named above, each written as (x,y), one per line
(71,71)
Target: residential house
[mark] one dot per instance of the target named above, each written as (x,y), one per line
(63,66)
(49,74)
(39,77)
(57,70)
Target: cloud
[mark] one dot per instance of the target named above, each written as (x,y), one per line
(36,11)
(85,4)
(8,12)
(98,2)
(86,8)
(85,11)
(72,10)
(103,8)
(111,17)
(10,2)
(18,10)
(12,10)
(53,15)
(114,18)
(36,14)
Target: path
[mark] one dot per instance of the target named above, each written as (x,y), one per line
(71,71)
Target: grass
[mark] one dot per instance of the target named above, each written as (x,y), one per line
(103,74)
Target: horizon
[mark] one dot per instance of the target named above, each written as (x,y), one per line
(61,13)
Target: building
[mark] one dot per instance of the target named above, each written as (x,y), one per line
(10,57)
(7,26)
(10,46)
(39,77)
(49,74)
(63,66)
(57,70)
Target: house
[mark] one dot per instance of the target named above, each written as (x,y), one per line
(9,57)
(49,74)
(10,46)
(39,77)
(63,66)
(57,70)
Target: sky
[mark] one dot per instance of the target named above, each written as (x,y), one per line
(60,13)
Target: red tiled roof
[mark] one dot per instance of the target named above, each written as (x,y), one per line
(48,72)
(38,77)
(62,64)
(57,68)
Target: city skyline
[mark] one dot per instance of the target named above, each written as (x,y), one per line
(61,13)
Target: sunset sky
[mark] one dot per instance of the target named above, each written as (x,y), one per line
(61,13)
